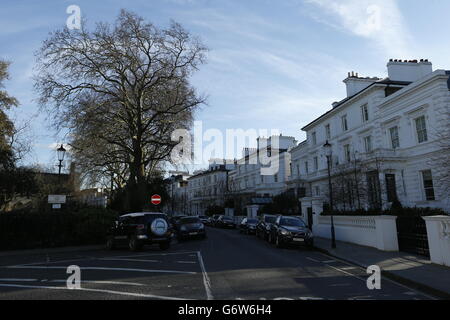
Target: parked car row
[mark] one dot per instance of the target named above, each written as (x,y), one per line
(221,221)
(279,230)
(138,229)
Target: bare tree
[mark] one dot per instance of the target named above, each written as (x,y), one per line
(121,90)
(6,125)
(440,161)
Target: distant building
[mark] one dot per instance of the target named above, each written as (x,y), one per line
(252,182)
(208,188)
(95,197)
(177,188)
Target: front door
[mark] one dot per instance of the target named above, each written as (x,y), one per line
(310,218)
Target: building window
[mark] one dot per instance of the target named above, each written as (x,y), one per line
(428,185)
(344,123)
(347,153)
(421,129)
(395,139)
(328,131)
(365,113)
(317,189)
(316,163)
(374,190)
(391,188)
(314,138)
(306,167)
(298,170)
(276,178)
(368,144)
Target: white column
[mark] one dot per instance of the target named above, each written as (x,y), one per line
(229,212)
(386,232)
(252,211)
(438,232)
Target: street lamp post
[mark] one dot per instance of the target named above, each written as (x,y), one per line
(328,153)
(61,153)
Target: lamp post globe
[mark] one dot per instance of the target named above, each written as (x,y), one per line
(61,151)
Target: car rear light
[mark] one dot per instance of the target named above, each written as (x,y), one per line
(140,226)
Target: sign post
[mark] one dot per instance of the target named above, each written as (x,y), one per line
(156,199)
(56,200)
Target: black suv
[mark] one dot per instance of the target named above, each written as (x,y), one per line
(264,226)
(225,222)
(290,230)
(138,229)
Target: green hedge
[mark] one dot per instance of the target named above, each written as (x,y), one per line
(28,230)
(421,212)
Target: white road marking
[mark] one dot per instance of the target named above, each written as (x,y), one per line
(311,259)
(206,280)
(153,254)
(103,282)
(140,295)
(328,261)
(132,260)
(187,262)
(56,261)
(106,269)
(18,280)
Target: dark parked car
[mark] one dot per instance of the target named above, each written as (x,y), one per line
(225,222)
(204,219)
(175,219)
(138,229)
(264,226)
(248,225)
(190,227)
(214,220)
(290,230)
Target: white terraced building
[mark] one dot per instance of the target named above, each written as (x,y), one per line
(389,140)
(207,188)
(249,182)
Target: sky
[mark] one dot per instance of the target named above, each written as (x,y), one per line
(272,65)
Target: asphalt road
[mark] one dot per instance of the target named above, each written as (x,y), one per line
(227,265)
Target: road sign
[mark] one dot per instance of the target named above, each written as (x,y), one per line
(56,199)
(156,199)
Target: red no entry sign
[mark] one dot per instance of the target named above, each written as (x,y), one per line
(156,199)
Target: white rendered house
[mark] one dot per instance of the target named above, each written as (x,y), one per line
(390,134)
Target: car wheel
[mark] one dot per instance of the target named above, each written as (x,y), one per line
(164,245)
(134,244)
(110,245)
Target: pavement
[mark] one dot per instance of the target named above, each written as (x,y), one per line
(225,266)
(412,270)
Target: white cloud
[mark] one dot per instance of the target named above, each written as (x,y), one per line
(377,20)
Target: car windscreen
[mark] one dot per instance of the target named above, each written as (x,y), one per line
(292,222)
(252,221)
(269,219)
(189,220)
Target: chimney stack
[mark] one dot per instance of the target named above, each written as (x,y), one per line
(408,71)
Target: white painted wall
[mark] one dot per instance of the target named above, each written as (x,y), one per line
(438,231)
(378,232)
